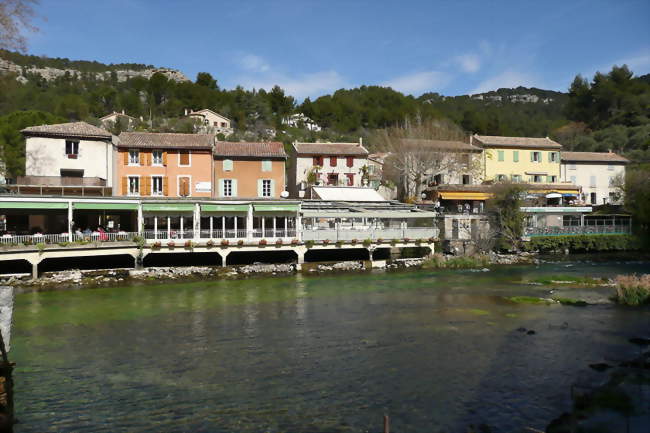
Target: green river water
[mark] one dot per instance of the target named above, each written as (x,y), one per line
(435,350)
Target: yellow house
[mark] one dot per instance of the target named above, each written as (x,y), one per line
(519,159)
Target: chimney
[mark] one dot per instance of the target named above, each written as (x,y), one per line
(186,111)
(123,111)
(609,150)
(360,141)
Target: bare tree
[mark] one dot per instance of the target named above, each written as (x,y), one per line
(16,17)
(421,150)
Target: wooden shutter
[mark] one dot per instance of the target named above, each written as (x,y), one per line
(165,160)
(165,185)
(149,157)
(184,157)
(350,161)
(146,185)
(125,183)
(184,186)
(126,157)
(234,187)
(141,158)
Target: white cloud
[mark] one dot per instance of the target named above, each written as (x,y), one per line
(639,63)
(251,62)
(419,82)
(469,62)
(508,79)
(301,86)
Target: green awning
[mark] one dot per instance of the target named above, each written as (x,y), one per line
(106,206)
(224,208)
(32,205)
(275,207)
(168,207)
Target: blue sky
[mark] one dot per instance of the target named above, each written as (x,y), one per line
(314,47)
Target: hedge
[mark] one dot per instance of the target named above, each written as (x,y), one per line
(594,242)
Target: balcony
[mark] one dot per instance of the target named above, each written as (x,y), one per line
(60,185)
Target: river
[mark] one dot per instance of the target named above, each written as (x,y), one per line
(435,350)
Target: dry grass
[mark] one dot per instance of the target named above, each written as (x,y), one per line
(633,289)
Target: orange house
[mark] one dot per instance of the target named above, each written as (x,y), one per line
(153,164)
(249,170)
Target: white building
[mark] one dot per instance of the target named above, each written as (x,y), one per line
(300,120)
(331,164)
(212,123)
(596,173)
(114,117)
(68,155)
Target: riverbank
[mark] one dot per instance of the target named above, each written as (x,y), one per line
(77,279)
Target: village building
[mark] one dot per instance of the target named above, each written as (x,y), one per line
(164,164)
(598,173)
(299,120)
(331,164)
(519,159)
(113,118)
(249,170)
(67,159)
(211,122)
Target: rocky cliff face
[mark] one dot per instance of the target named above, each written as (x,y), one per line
(49,74)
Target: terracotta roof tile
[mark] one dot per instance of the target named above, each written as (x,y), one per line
(271,149)
(593,157)
(521,142)
(72,129)
(345,149)
(440,144)
(165,140)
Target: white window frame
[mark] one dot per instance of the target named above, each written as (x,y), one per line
(178,185)
(136,160)
(128,186)
(266,182)
(189,152)
(153,158)
(227,191)
(161,192)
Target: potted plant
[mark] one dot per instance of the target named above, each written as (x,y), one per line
(309,243)
(189,244)
(225,242)
(171,244)
(407,240)
(326,242)
(367,242)
(380,240)
(394,242)
(354,241)
(156,245)
(209,243)
(294,241)
(432,240)
(240,242)
(263,242)
(339,244)
(278,242)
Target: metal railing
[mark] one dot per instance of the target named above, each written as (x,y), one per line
(578,230)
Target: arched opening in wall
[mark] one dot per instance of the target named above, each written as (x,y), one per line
(270,256)
(336,255)
(86,262)
(414,252)
(182,259)
(381,254)
(15,267)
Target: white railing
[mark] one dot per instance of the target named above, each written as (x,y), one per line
(65,238)
(578,230)
(373,234)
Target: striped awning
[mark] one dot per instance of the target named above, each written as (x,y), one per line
(461,195)
(32,205)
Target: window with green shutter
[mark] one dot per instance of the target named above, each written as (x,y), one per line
(515,156)
(227,165)
(500,154)
(266,165)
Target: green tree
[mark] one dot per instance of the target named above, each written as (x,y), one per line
(508,219)
(205,79)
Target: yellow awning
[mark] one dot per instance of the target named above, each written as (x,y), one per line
(459,195)
(574,189)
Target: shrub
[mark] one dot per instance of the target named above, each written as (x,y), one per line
(339,244)
(40,246)
(138,240)
(438,261)
(309,243)
(225,242)
(367,242)
(420,241)
(432,240)
(263,242)
(394,241)
(61,244)
(632,289)
(592,242)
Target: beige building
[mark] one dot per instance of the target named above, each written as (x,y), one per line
(111,119)
(331,164)
(596,172)
(211,122)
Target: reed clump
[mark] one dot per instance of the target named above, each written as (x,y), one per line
(633,289)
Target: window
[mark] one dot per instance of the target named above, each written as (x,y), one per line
(501,155)
(537,178)
(611,181)
(184,186)
(572,166)
(515,156)
(350,177)
(134,157)
(227,165)
(573,180)
(592,181)
(157,157)
(72,148)
(349,161)
(437,179)
(536,156)
(266,165)
(464,160)
(466,179)
(593,198)
(134,185)
(156,185)
(227,187)
(224,125)
(610,167)
(552,179)
(266,188)
(71,173)
(333,179)
(333,161)
(516,178)
(553,157)
(318,161)
(184,158)
(501,177)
